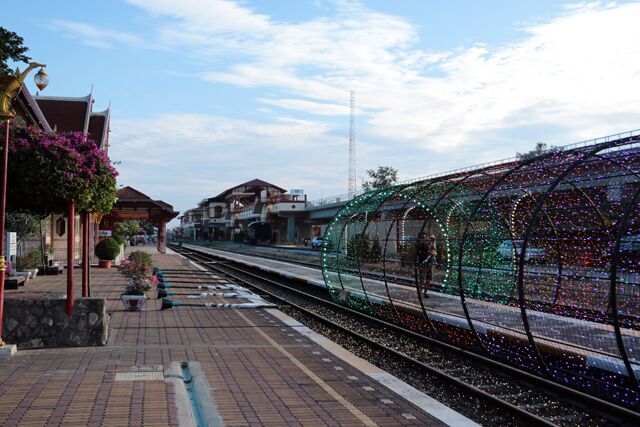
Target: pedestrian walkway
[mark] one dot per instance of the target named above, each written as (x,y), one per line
(254,367)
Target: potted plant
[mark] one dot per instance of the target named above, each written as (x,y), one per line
(107,250)
(139,269)
(134,296)
(121,240)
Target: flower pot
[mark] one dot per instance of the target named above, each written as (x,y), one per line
(133,302)
(104,263)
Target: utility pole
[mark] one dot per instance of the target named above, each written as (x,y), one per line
(352,144)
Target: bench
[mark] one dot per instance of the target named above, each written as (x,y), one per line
(55,269)
(14,282)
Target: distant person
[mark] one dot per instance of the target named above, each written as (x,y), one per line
(426,259)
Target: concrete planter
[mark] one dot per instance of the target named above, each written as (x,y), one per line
(133,302)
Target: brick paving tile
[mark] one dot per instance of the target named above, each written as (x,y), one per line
(248,357)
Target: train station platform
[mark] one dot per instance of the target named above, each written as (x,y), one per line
(248,367)
(593,344)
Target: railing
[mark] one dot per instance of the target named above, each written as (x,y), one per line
(345,197)
(287,198)
(60,255)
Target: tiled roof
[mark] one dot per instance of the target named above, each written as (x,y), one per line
(66,114)
(99,128)
(253,183)
(130,193)
(260,183)
(164,204)
(131,202)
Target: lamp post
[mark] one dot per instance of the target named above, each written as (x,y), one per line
(10,85)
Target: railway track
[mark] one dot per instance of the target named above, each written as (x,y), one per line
(482,389)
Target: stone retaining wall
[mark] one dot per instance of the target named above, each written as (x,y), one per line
(37,323)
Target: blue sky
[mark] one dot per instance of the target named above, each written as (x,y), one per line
(206,94)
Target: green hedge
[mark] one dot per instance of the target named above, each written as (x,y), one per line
(107,249)
(121,240)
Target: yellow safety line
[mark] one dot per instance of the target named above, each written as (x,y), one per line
(326,387)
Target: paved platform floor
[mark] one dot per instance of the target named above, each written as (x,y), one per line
(258,366)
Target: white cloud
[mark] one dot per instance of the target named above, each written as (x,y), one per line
(321,109)
(566,72)
(186,157)
(94,36)
(572,77)
(207,16)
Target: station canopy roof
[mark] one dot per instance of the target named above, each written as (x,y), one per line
(132,204)
(246,189)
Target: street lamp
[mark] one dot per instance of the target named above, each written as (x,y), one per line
(10,85)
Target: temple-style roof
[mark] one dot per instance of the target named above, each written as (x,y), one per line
(99,128)
(27,107)
(66,114)
(133,204)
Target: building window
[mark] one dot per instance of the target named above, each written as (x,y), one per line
(61,227)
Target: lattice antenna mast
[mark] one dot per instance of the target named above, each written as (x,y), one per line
(352,144)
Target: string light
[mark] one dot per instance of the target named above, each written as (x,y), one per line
(528,254)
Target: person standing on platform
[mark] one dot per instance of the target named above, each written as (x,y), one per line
(426,259)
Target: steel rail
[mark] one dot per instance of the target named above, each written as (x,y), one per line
(576,396)
(515,410)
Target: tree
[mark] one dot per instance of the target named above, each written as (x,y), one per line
(148,227)
(540,149)
(126,228)
(11,48)
(48,169)
(25,224)
(376,250)
(383,177)
(358,247)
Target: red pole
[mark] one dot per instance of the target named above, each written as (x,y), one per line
(85,254)
(162,245)
(71,234)
(3,207)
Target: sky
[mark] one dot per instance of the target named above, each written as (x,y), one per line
(207,94)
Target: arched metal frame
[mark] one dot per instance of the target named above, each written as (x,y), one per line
(539,262)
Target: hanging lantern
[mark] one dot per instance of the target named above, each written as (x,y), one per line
(41,79)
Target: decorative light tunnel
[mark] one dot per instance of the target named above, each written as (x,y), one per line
(538,262)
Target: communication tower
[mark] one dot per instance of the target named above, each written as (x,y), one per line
(352,144)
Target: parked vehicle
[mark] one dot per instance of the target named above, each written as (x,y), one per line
(630,244)
(506,250)
(317,242)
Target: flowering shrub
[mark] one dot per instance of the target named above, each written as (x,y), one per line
(137,286)
(134,269)
(47,170)
(138,269)
(142,257)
